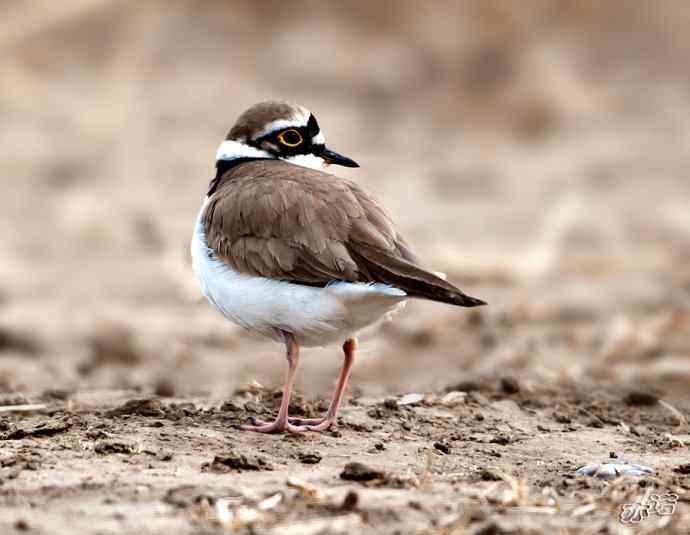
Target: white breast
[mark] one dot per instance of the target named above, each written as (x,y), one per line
(316,316)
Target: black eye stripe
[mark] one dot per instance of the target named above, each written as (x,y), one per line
(312,126)
(273,136)
(280,149)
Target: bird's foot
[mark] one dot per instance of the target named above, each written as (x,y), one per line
(292,425)
(315,424)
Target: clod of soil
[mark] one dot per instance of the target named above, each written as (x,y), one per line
(683,469)
(13,341)
(487,474)
(27,461)
(140,407)
(164,388)
(501,440)
(638,398)
(22,525)
(360,472)
(509,385)
(562,418)
(309,457)
(464,386)
(56,393)
(110,344)
(14,399)
(43,429)
(186,496)
(350,501)
(107,447)
(236,461)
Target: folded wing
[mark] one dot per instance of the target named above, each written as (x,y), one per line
(272,219)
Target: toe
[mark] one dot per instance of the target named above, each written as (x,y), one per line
(305,421)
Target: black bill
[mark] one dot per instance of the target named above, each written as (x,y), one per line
(332,157)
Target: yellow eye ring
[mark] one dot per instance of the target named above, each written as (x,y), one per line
(290,138)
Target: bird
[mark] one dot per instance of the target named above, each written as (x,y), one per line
(287,250)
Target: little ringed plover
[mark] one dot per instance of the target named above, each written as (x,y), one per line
(284,249)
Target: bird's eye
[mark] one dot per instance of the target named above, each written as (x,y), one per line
(290,138)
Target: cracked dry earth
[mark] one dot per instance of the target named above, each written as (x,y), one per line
(475,458)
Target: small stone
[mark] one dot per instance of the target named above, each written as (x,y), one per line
(609,471)
(252,387)
(454,398)
(479,399)
(410,399)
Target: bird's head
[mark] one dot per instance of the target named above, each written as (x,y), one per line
(280,130)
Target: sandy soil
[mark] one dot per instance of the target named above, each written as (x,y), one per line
(538,155)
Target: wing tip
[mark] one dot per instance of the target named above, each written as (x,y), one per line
(468,301)
(475,302)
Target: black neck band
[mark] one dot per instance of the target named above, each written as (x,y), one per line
(223,166)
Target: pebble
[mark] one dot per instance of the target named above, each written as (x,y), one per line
(609,471)
(451,399)
(410,399)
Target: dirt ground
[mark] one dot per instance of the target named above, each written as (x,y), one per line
(489,452)
(500,459)
(538,155)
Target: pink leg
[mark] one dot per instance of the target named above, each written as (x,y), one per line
(281,422)
(329,421)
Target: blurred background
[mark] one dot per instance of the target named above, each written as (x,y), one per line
(538,152)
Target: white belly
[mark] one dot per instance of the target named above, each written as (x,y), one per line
(316,316)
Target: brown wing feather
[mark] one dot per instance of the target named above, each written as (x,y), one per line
(272,219)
